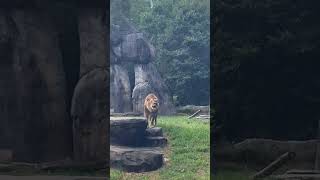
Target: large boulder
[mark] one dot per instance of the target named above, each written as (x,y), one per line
(135,48)
(127,131)
(136,159)
(120,89)
(89,109)
(90,117)
(148,80)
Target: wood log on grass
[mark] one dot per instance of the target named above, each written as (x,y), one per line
(263,151)
(194,114)
(274,165)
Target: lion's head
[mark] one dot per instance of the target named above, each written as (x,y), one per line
(152,102)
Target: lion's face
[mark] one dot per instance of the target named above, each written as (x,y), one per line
(152,103)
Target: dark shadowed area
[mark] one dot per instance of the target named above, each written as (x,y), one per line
(54,84)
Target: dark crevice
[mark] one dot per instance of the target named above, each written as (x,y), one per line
(66,20)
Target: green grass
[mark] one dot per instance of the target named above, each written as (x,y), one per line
(232,175)
(188,152)
(235,172)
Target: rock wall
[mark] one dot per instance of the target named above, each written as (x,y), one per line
(90,101)
(41,125)
(130,47)
(48,50)
(120,100)
(148,80)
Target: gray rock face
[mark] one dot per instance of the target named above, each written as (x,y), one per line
(135,159)
(155,131)
(135,48)
(7,84)
(157,141)
(89,112)
(134,148)
(127,131)
(40,64)
(90,100)
(93,40)
(129,46)
(148,80)
(41,124)
(120,92)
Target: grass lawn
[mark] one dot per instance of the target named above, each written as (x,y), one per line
(188,152)
(235,172)
(231,174)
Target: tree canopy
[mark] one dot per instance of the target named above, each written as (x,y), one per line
(180,32)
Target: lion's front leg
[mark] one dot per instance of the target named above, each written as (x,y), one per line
(148,120)
(155,120)
(152,121)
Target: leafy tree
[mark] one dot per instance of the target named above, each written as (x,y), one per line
(179,30)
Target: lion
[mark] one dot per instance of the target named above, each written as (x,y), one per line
(151,105)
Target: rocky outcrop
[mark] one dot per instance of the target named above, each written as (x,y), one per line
(135,159)
(127,131)
(7,85)
(148,80)
(90,100)
(135,148)
(43,47)
(136,49)
(120,92)
(90,125)
(128,46)
(41,124)
(93,40)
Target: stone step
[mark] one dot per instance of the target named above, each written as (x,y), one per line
(157,141)
(136,159)
(127,131)
(152,132)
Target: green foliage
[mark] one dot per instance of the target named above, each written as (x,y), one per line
(179,30)
(189,151)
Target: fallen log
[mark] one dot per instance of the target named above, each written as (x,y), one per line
(194,114)
(297,171)
(191,108)
(274,165)
(297,177)
(266,149)
(263,151)
(203,117)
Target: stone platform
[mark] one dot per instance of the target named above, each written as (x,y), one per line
(134,147)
